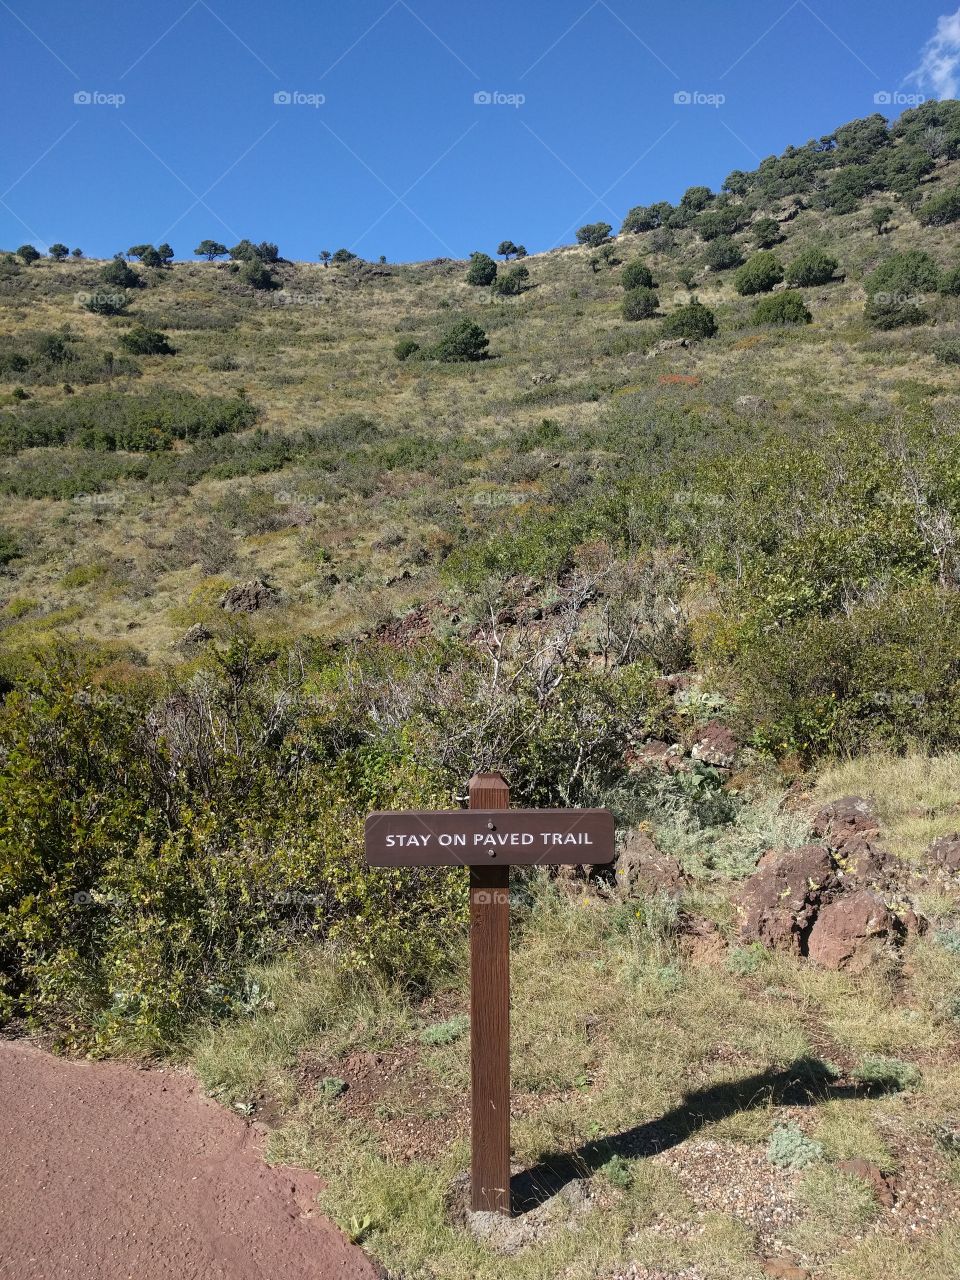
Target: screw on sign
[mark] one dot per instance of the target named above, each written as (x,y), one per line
(489,838)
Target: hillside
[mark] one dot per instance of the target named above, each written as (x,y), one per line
(332,493)
(283,543)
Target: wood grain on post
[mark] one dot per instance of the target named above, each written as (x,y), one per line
(490,1015)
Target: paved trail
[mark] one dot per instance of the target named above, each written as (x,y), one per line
(110,1173)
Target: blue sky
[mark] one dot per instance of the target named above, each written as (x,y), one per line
(359,125)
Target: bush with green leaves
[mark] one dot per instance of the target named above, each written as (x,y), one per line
(10,548)
(647,217)
(880,217)
(909,273)
(405,348)
(482,269)
(886,1075)
(506,248)
(950,282)
(758,274)
(726,220)
(112,420)
(140,341)
(119,275)
(637,275)
(257,275)
(696,198)
(594,234)
(940,210)
(790,1148)
(812,267)
(782,308)
(103,302)
(510,284)
(59,252)
(894,311)
(723,254)
(693,320)
(28,254)
(444,1033)
(465,341)
(767,232)
(211,250)
(640,303)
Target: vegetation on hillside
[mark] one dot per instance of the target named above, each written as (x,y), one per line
(525,516)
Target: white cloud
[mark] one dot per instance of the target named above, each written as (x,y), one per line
(939,69)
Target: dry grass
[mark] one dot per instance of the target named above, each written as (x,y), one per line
(917,796)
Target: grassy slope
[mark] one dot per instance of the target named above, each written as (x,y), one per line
(629,1023)
(142,560)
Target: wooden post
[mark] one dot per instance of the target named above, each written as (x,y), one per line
(490,1015)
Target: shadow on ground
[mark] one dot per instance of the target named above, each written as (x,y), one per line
(805,1082)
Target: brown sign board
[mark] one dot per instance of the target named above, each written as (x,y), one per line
(490,837)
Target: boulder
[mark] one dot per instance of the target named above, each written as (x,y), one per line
(752,404)
(945,852)
(715,745)
(248,597)
(657,754)
(667,344)
(195,637)
(853,932)
(642,868)
(853,815)
(779,903)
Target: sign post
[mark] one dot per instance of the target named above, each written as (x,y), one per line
(489,838)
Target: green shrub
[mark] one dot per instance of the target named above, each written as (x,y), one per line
(696,198)
(404,348)
(640,303)
(594,234)
(691,321)
(790,1148)
(950,282)
(511,283)
(911,272)
(111,420)
(759,274)
(723,254)
(146,871)
(482,269)
(121,276)
(877,675)
(893,311)
(28,254)
(103,303)
(886,1074)
(257,274)
(146,342)
(782,308)
(10,548)
(812,267)
(442,1033)
(767,233)
(462,342)
(725,221)
(940,210)
(637,275)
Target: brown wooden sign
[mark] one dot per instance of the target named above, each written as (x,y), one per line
(472,837)
(489,838)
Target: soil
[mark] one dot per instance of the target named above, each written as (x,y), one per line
(111,1172)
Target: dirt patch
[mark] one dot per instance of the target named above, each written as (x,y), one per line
(111,1172)
(413,1115)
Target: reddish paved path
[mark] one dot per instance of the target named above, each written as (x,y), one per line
(110,1173)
